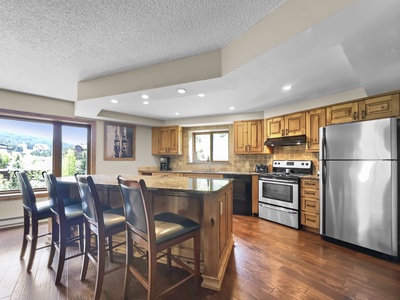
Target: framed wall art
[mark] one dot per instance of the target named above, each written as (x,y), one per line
(119,141)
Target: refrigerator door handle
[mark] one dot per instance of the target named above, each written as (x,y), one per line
(323,180)
(323,161)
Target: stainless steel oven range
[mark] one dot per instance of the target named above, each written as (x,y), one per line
(279,191)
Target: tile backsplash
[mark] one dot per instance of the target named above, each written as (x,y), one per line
(239,162)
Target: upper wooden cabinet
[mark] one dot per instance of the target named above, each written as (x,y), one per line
(342,113)
(377,108)
(314,120)
(362,110)
(290,125)
(167,140)
(248,137)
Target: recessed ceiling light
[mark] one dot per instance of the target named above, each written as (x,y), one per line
(145,96)
(114,101)
(201,95)
(231,108)
(287,88)
(181,91)
(145,102)
(177,114)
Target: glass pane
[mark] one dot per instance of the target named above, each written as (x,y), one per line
(202,147)
(74,150)
(24,145)
(220,147)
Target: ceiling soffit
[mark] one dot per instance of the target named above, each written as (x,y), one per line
(288,20)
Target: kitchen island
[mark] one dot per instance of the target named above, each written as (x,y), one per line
(207,201)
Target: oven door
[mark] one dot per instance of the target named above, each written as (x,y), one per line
(280,192)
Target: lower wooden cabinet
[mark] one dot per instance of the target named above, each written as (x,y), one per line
(310,204)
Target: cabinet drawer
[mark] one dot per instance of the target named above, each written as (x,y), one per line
(310,219)
(310,205)
(310,183)
(311,193)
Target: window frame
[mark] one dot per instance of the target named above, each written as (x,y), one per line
(57,122)
(210,133)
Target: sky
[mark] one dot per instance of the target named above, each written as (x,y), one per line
(71,134)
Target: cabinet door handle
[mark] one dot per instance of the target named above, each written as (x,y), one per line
(308,144)
(355,116)
(363,114)
(287,131)
(283,132)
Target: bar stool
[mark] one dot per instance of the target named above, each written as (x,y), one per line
(33,213)
(64,218)
(103,225)
(155,234)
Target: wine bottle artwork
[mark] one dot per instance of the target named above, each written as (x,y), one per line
(117,143)
(124,150)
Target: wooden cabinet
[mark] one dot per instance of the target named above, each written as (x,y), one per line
(342,113)
(248,137)
(377,108)
(367,109)
(225,218)
(314,120)
(290,125)
(167,140)
(310,204)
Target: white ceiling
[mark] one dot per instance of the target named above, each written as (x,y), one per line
(47,47)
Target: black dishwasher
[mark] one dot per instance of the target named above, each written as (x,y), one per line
(241,194)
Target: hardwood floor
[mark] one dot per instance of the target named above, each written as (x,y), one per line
(269,261)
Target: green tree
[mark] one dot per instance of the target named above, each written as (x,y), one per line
(69,163)
(4,160)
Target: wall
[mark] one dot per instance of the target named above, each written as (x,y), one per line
(239,162)
(143,155)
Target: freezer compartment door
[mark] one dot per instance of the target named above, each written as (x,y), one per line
(376,139)
(360,204)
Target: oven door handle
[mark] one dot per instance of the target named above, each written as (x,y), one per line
(289,211)
(281,181)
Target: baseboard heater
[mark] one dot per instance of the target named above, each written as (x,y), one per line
(13,222)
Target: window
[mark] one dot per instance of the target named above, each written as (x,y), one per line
(210,146)
(36,146)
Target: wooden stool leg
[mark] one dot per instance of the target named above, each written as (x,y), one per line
(61,253)
(152,269)
(110,248)
(101,260)
(169,259)
(54,239)
(85,260)
(35,230)
(81,237)
(129,261)
(26,232)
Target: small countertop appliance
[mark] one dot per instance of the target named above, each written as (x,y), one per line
(164,164)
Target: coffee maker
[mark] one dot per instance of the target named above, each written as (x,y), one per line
(164,164)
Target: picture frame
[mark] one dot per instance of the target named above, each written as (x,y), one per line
(119,141)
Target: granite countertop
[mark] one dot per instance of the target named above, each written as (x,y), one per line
(315,177)
(209,172)
(180,184)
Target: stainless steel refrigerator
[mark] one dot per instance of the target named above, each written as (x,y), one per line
(359,184)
